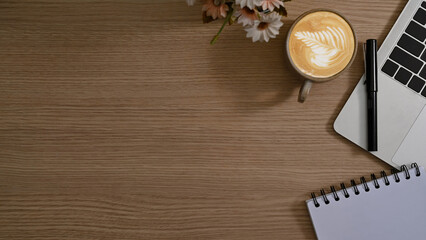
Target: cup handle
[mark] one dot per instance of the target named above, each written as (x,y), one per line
(304,90)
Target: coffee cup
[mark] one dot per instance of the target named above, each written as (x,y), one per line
(320,45)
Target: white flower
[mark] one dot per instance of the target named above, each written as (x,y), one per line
(270,4)
(246,16)
(268,27)
(190,2)
(248,3)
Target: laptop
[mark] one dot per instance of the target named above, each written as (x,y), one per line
(401,94)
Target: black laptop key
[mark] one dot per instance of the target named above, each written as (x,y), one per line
(423,57)
(424,92)
(403,76)
(417,31)
(411,45)
(420,16)
(416,84)
(411,63)
(424,4)
(423,73)
(390,68)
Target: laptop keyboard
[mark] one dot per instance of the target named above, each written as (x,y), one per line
(407,61)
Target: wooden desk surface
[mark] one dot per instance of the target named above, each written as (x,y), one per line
(118,120)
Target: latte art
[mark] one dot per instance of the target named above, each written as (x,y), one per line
(321,44)
(327,46)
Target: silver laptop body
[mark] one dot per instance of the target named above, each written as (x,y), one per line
(401,96)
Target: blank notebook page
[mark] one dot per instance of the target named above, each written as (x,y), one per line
(393,212)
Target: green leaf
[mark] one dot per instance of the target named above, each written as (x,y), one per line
(232,20)
(282,11)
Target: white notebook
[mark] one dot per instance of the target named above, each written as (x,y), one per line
(389,209)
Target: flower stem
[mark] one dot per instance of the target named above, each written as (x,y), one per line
(230,12)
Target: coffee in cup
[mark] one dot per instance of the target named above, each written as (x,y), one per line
(320,45)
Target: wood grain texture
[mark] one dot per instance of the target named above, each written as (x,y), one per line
(118,120)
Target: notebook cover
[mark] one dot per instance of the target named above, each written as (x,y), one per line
(393,212)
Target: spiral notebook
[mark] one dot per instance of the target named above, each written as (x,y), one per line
(392,207)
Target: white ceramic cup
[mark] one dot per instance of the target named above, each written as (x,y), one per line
(309,80)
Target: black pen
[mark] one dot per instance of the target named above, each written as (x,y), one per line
(371,80)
